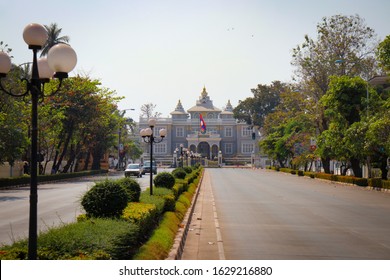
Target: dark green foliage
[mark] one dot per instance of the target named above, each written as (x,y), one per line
(179,173)
(164,180)
(132,188)
(187,169)
(25,180)
(105,199)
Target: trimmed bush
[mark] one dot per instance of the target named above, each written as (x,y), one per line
(92,239)
(187,169)
(168,196)
(153,199)
(179,173)
(160,243)
(386,184)
(362,182)
(375,182)
(132,188)
(25,179)
(310,174)
(301,173)
(143,215)
(105,199)
(164,180)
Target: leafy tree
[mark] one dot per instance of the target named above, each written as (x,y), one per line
(345,104)
(289,140)
(345,45)
(54,38)
(383,54)
(253,110)
(88,125)
(14,117)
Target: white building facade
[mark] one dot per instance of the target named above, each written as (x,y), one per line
(224,135)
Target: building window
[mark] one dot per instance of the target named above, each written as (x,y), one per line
(160,148)
(179,131)
(228,132)
(246,131)
(247,148)
(228,148)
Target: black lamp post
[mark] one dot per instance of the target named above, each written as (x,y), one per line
(60,60)
(148,137)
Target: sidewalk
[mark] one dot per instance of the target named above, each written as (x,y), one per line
(204,241)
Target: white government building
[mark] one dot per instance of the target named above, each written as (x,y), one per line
(225,136)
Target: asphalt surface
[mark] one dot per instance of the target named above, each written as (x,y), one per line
(58,203)
(245,214)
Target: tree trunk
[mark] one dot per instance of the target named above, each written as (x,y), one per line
(96,155)
(66,145)
(326,164)
(357,170)
(72,156)
(86,163)
(383,168)
(53,169)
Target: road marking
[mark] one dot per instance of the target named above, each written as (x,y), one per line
(221,251)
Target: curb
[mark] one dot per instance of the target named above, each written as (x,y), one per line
(181,236)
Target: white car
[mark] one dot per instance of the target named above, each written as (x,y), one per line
(134,169)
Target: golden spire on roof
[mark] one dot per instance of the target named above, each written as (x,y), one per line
(204,92)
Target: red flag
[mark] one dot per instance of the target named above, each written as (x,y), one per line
(202,125)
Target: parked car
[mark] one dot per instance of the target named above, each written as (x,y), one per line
(147,167)
(134,169)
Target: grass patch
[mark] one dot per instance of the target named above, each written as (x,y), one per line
(90,239)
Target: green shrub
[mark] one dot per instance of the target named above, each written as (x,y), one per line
(188,169)
(324,176)
(91,239)
(346,179)
(105,199)
(132,188)
(386,184)
(145,216)
(160,243)
(25,179)
(375,182)
(153,199)
(168,196)
(286,170)
(362,182)
(164,180)
(196,166)
(301,173)
(310,174)
(179,173)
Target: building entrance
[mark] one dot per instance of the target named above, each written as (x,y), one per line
(204,149)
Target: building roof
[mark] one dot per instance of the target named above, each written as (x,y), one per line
(204,104)
(179,110)
(228,109)
(380,80)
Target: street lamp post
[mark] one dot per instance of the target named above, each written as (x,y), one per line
(148,137)
(60,60)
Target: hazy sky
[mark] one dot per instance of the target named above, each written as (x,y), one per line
(163,51)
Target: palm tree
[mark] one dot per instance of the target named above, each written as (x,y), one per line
(54,38)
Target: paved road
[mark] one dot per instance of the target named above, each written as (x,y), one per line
(57,203)
(260,214)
